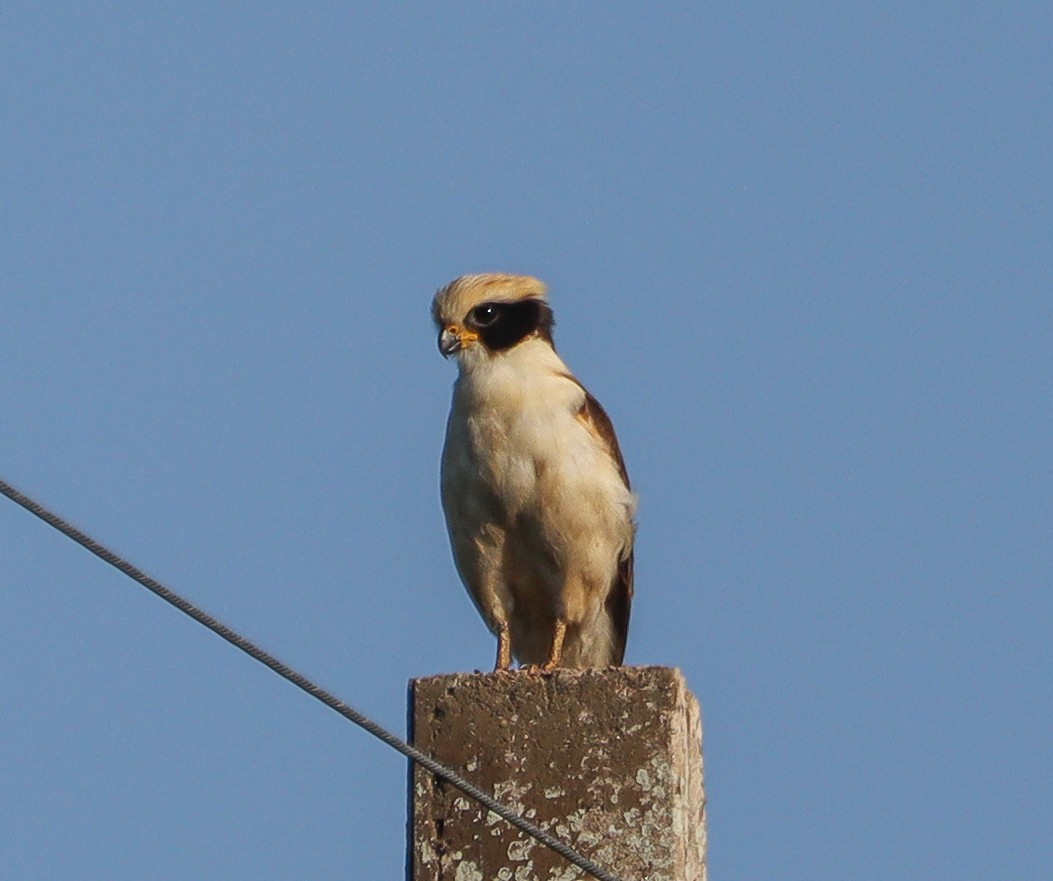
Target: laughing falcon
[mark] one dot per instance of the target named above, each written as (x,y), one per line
(534,488)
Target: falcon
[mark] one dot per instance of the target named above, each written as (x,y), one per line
(534,488)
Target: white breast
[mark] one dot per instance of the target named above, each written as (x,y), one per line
(516,448)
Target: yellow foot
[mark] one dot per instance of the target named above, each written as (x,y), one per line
(557,646)
(504,651)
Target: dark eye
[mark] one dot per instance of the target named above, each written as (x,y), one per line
(484,315)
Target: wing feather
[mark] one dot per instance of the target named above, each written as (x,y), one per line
(619,600)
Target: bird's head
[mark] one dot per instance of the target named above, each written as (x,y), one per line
(479,316)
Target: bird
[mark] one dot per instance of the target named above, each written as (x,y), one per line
(535,493)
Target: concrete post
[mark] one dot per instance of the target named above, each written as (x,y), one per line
(609,761)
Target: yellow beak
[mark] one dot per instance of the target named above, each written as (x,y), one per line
(454,338)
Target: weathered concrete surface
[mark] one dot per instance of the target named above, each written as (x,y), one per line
(610,761)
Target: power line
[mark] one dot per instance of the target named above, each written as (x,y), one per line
(302,682)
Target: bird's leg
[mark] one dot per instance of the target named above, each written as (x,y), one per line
(557,645)
(504,650)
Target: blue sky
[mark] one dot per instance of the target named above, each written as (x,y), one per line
(802,254)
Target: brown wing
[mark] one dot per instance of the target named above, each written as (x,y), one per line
(619,600)
(619,605)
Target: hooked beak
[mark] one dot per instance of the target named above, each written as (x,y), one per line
(454,338)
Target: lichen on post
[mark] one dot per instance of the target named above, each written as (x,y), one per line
(607,760)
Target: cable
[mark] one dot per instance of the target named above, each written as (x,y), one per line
(302,682)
